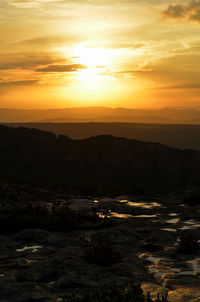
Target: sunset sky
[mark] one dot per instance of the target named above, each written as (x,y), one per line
(128,53)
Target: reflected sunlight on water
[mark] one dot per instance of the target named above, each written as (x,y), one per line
(119,215)
(168,229)
(145,216)
(34,248)
(173,221)
(144,205)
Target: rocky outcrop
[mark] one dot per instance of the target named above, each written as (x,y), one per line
(47,266)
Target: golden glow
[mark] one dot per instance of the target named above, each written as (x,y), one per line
(90,77)
(93,57)
(63,53)
(97,62)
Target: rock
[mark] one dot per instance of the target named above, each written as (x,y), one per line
(61,240)
(171,282)
(80,204)
(32,235)
(59,269)
(46,270)
(20,262)
(128,270)
(107,199)
(153,288)
(69,280)
(24,292)
(123,197)
(8,264)
(185,294)
(151,247)
(169,276)
(119,235)
(6,253)
(162,236)
(179,280)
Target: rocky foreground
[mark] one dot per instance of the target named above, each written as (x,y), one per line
(147,239)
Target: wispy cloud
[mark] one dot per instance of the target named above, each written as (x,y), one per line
(61,68)
(187,85)
(27,60)
(18,83)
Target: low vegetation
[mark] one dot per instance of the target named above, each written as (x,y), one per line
(151,246)
(130,292)
(163,298)
(189,244)
(15,217)
(193,198)
(102,253)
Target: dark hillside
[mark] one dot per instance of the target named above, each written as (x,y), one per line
(103,164)
(177,136)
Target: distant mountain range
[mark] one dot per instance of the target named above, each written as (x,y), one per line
(102,164)
(102,114)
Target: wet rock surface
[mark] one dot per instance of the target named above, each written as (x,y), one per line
(144,233)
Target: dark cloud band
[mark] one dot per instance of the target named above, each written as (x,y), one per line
(191,11)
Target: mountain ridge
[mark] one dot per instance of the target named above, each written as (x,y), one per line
(103,164)
(178,136)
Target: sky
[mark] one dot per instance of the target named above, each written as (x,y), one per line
(74,53)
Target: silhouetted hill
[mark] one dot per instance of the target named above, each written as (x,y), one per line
(103,164)
(178,136)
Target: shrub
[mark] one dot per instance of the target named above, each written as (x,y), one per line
(163,299)
(188,244)
(102,253)
(192,199)
(130,292)
(150,246)
(19,216)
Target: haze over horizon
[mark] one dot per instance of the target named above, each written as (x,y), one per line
(64,53)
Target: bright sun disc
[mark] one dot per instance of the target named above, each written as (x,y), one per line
(93,57)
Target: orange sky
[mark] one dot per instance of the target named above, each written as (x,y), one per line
(130,53)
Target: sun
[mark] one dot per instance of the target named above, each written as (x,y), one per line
(97,62)
(93,57)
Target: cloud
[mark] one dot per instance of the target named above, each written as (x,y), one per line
(175,11)
(191,11)
(29,3)
(18,83)
(118,45)
(178,71)
(188,85)
(27,60)
(61,68)
(44,41)
(49,41)
(36,3)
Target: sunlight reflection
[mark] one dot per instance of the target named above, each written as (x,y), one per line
(34,248)
(143,205)
(119,215)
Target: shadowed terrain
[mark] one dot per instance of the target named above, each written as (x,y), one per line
(97,164)
(69,235)
(178,136)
